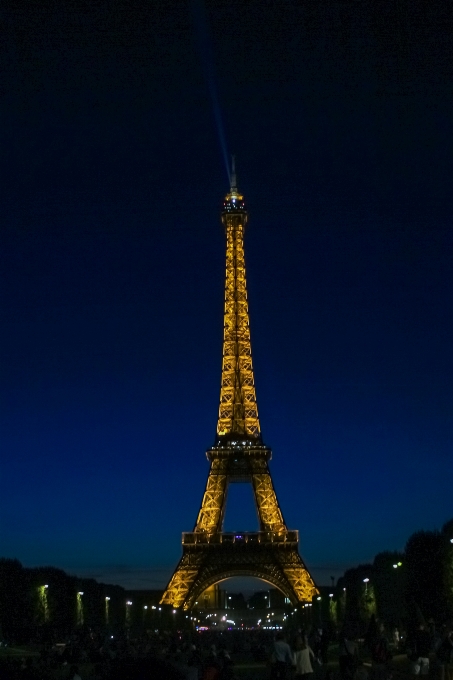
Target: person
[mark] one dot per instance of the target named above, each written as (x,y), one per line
(212,667)
(396,638)
(422,648)
(380,655)
(361,672)
(372,634)
(444,654)
(302,658)
(74,673)
(324,645)
(282,658)
(348,656)
(227,665)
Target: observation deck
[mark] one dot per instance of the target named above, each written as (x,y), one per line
(264,538)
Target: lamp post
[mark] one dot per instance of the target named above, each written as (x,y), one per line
(42,590)
(80,608)
(366,581)
(107,605)
(128,616)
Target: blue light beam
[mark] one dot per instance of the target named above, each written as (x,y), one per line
(207,61)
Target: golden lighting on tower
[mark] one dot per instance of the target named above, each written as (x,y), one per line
(238,455)
(238,411)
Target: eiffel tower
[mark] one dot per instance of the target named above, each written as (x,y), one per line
(238,455)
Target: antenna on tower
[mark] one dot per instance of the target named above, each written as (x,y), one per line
(233,186)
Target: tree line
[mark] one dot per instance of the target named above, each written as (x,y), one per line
(400,588)
(36,601)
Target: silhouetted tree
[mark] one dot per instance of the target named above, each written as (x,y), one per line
(447,558)
(389,588)
(425,578)
(15,611)
(358,594)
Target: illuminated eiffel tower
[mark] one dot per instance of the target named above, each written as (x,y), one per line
(238,455)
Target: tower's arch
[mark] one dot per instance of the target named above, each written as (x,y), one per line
(223,575)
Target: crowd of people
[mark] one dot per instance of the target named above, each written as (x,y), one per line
(428,649)
(210,655)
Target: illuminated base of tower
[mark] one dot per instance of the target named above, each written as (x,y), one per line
(211,555)
(268,556)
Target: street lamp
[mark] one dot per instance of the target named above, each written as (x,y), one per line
(107,600)
(42,590)
(366,581)
(79,608)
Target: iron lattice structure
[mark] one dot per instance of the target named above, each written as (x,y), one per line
(238,455)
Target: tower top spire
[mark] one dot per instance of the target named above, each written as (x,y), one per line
(234,201)
(233,186)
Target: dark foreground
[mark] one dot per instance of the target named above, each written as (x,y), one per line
(234,655)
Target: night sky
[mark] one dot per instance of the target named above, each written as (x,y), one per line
(112,272)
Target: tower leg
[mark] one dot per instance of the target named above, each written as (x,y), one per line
(210,517)
(269,513)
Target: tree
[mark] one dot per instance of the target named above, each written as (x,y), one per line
(15,614)
(425,576)
(447,559)
(389,572)
(359,598)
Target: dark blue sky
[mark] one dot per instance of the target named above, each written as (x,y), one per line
(112,272)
